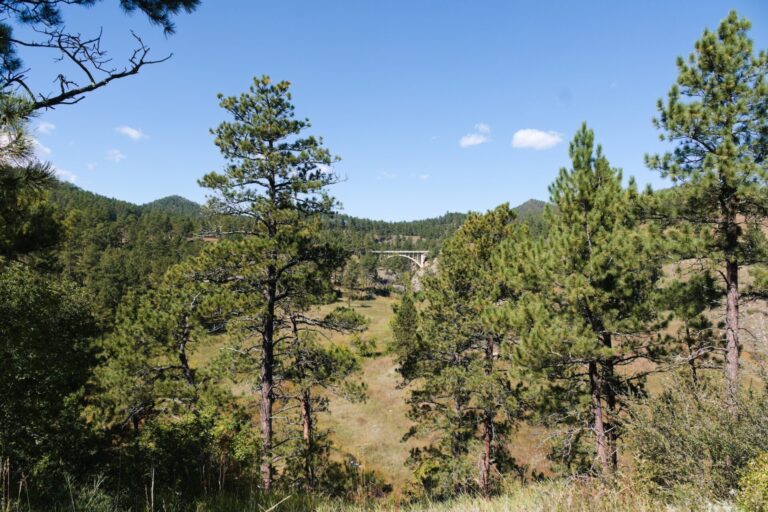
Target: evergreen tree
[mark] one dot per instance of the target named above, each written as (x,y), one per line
(314,370)
(160,407)
(27,223)
(583,300)
(275,180)
(147,370)
(47,352)
(404,325)
(716,116)
(462,396)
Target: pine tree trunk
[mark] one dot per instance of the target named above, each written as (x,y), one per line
(732,347)
(267,382)
(306,418)
(485,478)
(189,374)
(597,418)
(610,425)
(691,359)
(609,386)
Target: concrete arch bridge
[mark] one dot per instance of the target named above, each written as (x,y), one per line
(418,257)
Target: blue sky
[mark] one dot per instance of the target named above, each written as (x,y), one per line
(433,105)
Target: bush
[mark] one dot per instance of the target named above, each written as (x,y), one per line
(753,485)
(684,440)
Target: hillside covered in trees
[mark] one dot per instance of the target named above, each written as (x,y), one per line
(112,247)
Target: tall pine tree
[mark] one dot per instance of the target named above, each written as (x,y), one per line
(463,398)
(582,300)
(275,183)
(716,115)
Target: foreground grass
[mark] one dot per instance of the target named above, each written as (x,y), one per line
(549,496)
(553,496)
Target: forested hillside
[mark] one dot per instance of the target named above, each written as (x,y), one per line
(112,246)
(174,205)
(426,234)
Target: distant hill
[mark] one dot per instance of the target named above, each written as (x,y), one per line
(419,234)
(175,205)
(111,246)
(179,218)
(530,208)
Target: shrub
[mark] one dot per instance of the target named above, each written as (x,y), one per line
(753,485)
(684,439)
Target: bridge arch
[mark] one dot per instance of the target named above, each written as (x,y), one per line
(417,257)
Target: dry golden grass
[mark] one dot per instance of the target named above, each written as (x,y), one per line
(372,431)
(551,496)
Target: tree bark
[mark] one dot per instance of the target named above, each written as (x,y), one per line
(732,347)
(189,373)
(609,383)
(691,360)
(306,418)
(267,381)
(597,418)
(485,477)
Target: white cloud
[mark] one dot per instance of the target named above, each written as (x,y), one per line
(424,177)
(41,150)
(132,133)
(531,138)
(386,176)
(65,175)
(44,127)
(91,166)
(115,155)
(481,135)
(472,139)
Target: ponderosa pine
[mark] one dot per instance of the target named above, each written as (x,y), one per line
(462,395)
(275,184)
(582,300)
(716,115)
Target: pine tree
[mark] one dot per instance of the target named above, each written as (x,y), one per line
(147,370)
(315,369)
(404,325)
(27,222)
(715,115)
(275,184)
(582,299)
(462,393)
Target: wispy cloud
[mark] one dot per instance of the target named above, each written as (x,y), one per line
(481,135)
(423,177)
(132,133)
(531,138)
(91,166)
(44,127)
(386,176)
(64,174)
(115,155)
(41,150)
